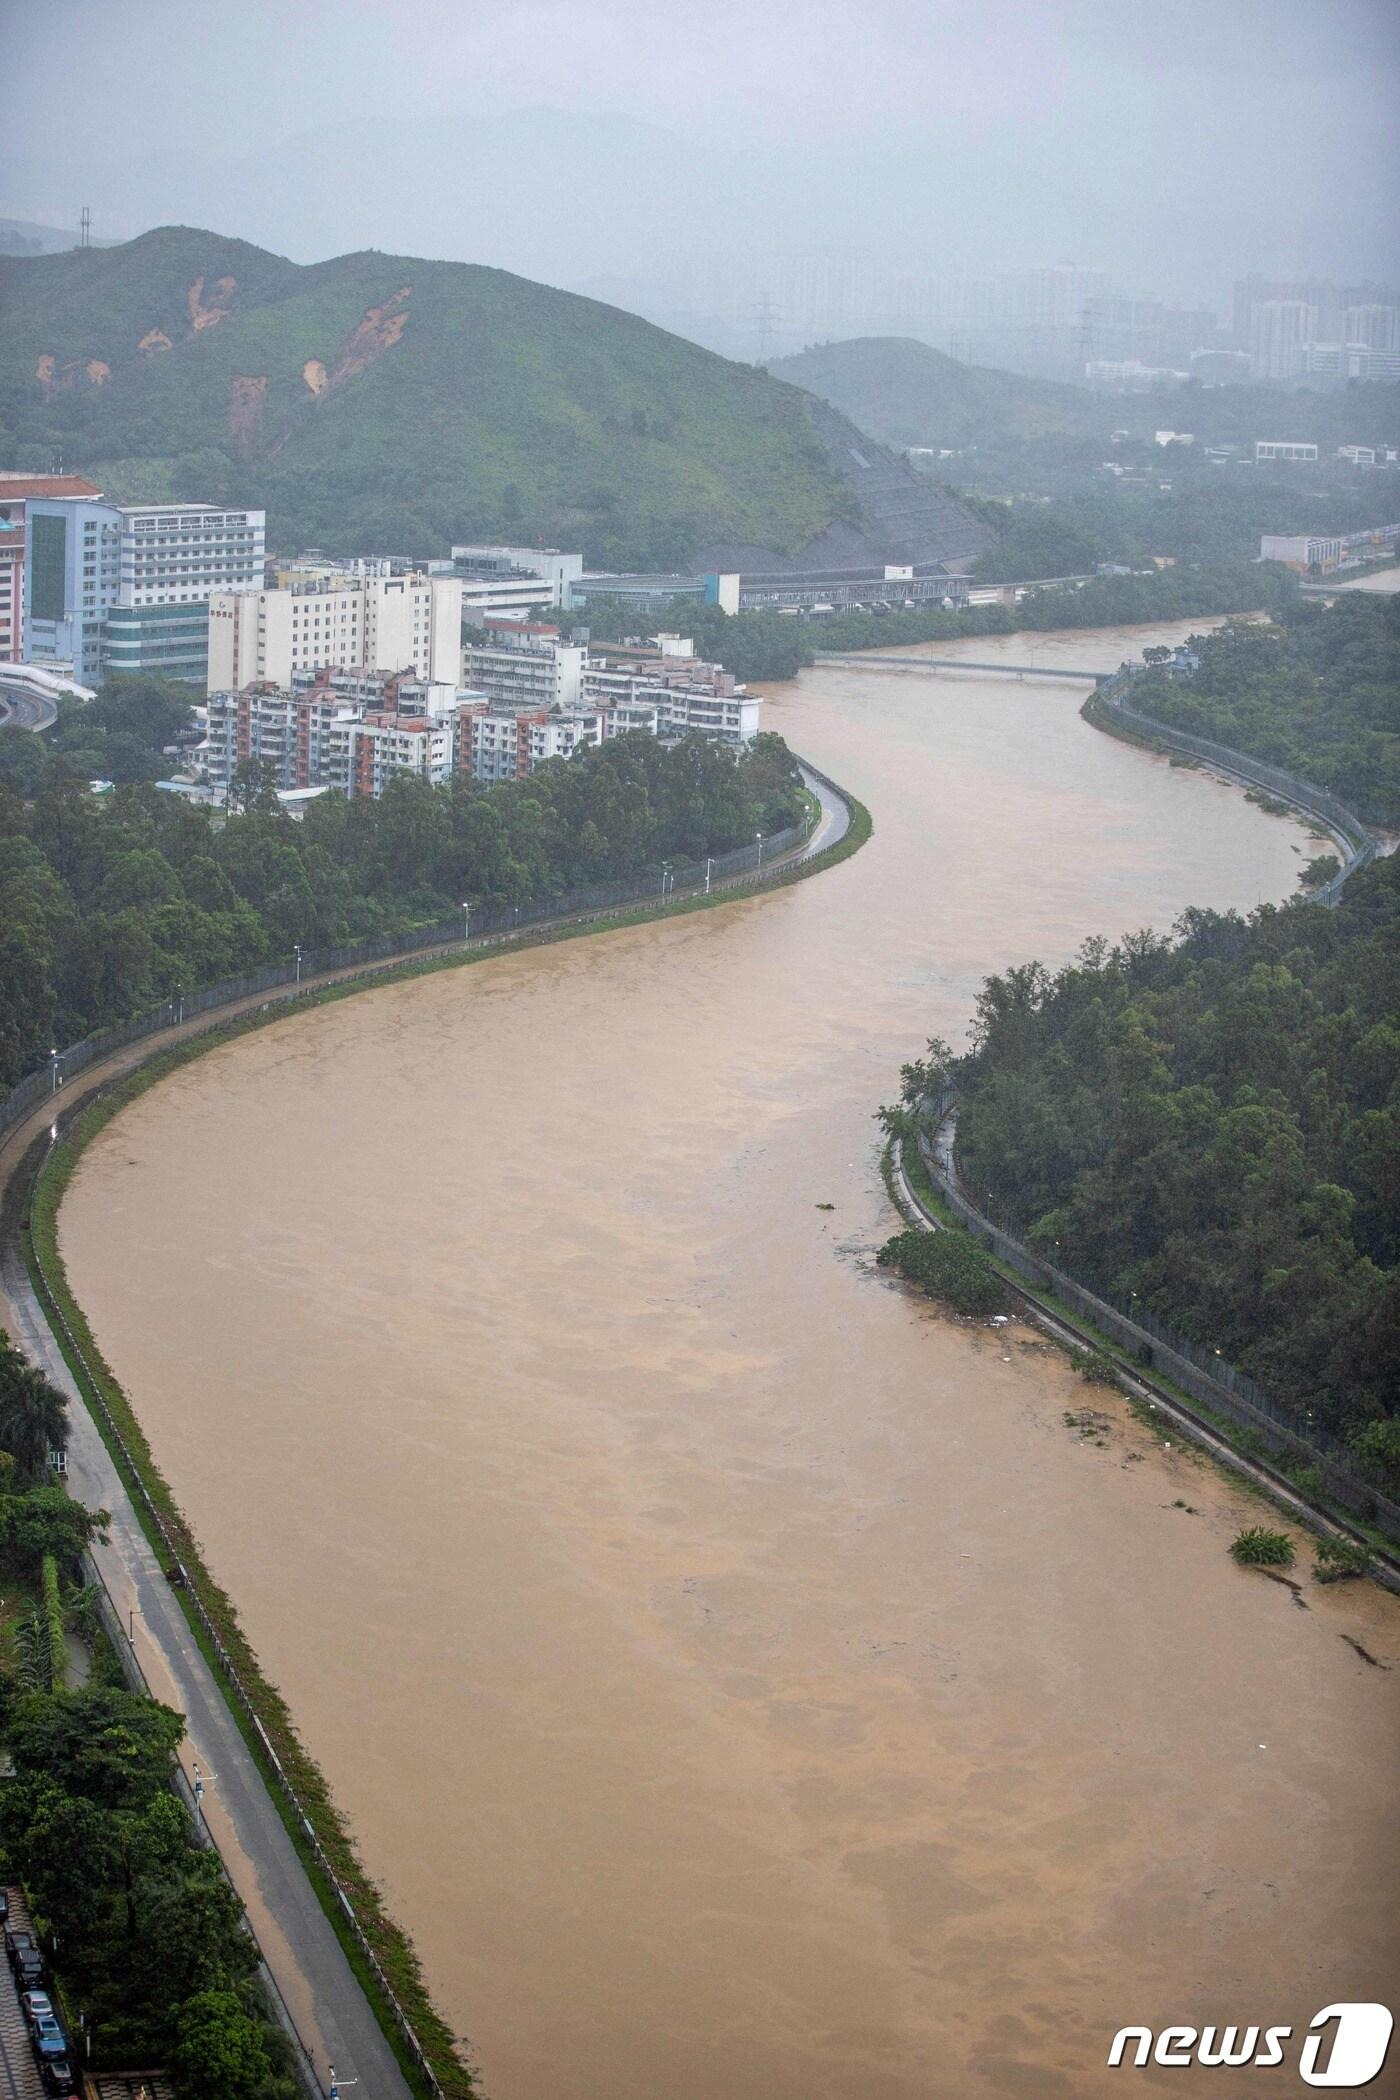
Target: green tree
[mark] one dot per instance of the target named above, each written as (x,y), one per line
(48,1520)
(98,1743)
(220,2053)
(32,1414)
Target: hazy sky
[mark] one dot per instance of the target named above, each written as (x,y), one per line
(1172,142)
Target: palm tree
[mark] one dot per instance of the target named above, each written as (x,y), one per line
(33,1414)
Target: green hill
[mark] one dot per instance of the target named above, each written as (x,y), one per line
(906,393)
(385,401)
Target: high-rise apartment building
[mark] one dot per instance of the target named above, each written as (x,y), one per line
(377,622)
(1279,332)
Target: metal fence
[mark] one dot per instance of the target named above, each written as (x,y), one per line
(1358,845)
(1200,1372)
(670,879)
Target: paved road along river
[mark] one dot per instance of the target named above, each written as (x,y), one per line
(742,1680)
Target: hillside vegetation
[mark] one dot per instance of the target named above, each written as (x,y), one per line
(904,392)
(386,401)
(1213,1124)
(108,906)
(1317,692)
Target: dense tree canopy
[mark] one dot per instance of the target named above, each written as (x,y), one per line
(1213,1123)
(1316,691)
(110,905)
(150,1936)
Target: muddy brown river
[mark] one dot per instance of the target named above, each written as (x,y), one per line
(741,1679)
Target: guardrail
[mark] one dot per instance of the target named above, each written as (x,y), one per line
(486,923)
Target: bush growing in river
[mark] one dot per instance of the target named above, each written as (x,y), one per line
(1338,1560)
(1095,1366)
(1260,1548)
(950,1266)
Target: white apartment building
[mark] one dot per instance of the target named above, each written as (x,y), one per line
(178,553)
(386,623)
(687,696)
(1283,448)
(523,663)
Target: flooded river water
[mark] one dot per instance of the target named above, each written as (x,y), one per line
(742,1680)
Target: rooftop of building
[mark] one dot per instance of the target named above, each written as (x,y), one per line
(501,626)
(53,486)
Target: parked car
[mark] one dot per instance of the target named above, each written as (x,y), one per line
(48,2037)
(35,2004)
(26,1959)
(57,2074)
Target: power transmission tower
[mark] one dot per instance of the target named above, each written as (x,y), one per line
(765,319)
(85,228)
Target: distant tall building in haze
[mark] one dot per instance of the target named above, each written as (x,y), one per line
(1316,327)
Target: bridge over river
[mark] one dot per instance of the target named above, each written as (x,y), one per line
(859,659)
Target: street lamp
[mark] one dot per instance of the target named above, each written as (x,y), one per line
(296,951)
(665,875)
(53,1071)
(709,863)
(466,919)
(759,836)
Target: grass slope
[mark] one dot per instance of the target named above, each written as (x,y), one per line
(379,399)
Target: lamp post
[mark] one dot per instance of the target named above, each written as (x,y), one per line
(466,920)
(759,836)
(296,951)
(665,876)
(53,1070)
(709,863)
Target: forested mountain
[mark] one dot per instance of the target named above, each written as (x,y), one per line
(907,393)
(108,906)
(1213,1123)
(382,401)
(1317,691)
